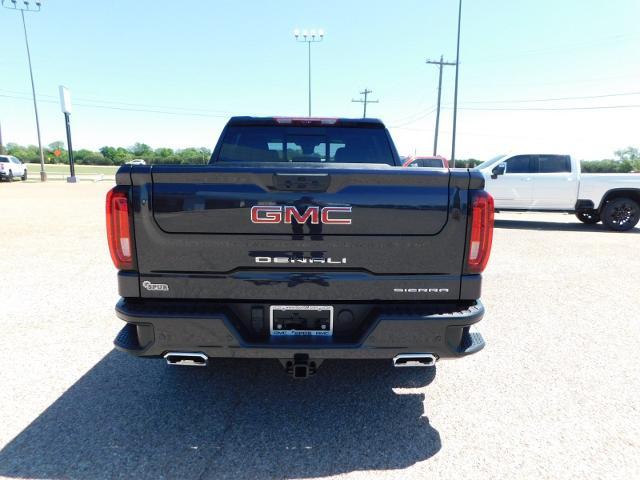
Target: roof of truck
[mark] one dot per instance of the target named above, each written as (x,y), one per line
(307,121)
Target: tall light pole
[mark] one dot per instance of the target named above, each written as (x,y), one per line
(27,6)
(455,94)
(309,36)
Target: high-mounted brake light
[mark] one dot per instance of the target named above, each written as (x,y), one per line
(481,232)
(305,120)
(118,229)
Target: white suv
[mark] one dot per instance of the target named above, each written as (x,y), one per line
(11,167)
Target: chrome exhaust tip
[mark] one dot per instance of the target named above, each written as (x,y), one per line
(187,359)
(415,360)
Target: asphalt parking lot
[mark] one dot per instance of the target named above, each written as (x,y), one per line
(553,395)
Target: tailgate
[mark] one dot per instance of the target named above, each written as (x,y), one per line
(360,233)
(382,202)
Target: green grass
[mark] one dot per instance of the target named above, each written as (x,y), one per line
(34,169)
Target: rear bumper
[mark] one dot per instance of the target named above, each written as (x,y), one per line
(156,327)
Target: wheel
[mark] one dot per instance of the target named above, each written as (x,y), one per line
(24,176)
(10,177)
(621,214)
(588,216)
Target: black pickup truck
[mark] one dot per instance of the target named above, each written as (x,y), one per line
(302,240)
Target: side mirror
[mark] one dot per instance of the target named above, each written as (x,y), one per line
(498,170)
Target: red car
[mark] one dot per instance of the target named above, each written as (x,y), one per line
(432,161)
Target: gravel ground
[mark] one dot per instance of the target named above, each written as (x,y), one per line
(553,395)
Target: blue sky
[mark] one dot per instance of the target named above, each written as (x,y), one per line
(200,62)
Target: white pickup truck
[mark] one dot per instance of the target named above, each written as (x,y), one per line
(554,183)
(11,167)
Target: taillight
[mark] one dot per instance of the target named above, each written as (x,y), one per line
(118,230)
(481,232)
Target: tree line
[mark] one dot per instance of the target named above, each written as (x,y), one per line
(56,153)
(624,161)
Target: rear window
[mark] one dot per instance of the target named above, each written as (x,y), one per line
(426,162)
(4,160)
(554,163)
(305,144)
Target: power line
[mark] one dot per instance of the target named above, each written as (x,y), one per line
(171,107)
(557,48)
(441,63)
(365,92)
(166,112)
(402,126)
(419,112)
(426,114)
(97,100)
(114,102)
(493,83)
(107,107)
(557,98)
(536,109)
(472,134)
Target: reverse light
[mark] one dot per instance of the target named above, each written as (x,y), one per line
(481,232)
(118,229)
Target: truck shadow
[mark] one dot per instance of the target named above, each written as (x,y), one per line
(553,226)
(241,419)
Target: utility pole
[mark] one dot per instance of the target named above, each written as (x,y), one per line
(1,144)
(366,93)
(441,63)
(455,94)
(25,5)
(309,36)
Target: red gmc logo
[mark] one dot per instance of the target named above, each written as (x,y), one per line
(290,214)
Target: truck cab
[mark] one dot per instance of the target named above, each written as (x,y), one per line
(528,181)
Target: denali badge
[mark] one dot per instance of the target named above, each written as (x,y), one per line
(312,260)
(162,287)
(290,214)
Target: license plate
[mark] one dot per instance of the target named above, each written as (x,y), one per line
(301,320)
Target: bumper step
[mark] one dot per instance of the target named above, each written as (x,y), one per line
(472,342)
(127,338)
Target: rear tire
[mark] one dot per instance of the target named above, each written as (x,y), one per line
(621,214)
(24,176)
(10,177)
(589,217)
